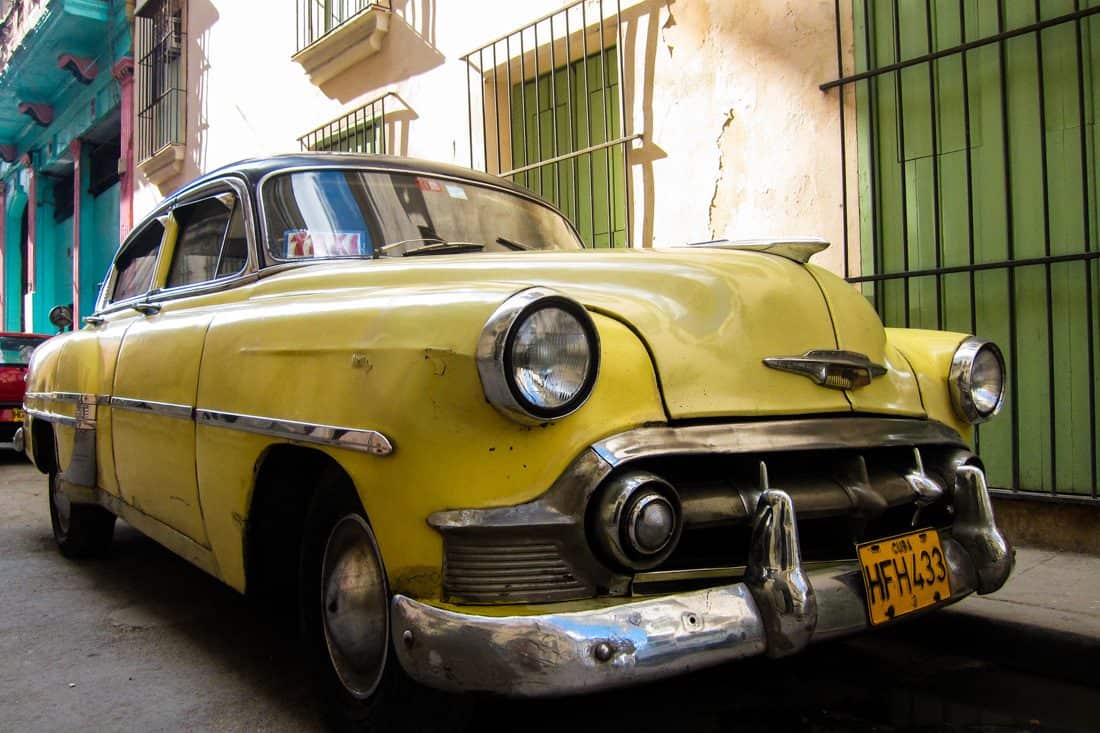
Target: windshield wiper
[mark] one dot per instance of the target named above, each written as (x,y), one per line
(512,244)
(431,244)
(442,247)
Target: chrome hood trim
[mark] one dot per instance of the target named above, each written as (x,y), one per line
(795,249)
(829,368)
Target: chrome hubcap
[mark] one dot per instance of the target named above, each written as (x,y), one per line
(62,507)
(355,609)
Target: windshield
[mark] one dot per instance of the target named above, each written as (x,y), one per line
(354,213)
(16,350)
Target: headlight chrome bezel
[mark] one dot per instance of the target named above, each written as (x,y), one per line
(494,358)
(960,379)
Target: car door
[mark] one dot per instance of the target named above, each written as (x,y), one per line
(86,364)
(153,398)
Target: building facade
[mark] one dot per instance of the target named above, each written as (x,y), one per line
(64,70)
(947,150)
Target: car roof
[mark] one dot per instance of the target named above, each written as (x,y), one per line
(254,169)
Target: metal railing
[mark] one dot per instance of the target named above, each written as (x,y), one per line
(160,83)
(317,18)
(363,130)
(976,179)
(546,107)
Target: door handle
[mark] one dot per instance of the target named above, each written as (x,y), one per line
(95,320)
(147,309)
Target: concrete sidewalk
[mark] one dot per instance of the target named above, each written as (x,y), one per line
(1046,619)
(1058,592)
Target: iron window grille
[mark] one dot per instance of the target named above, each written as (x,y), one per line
(546,107)
(977,186)
(363,130)
(317,18)
(160,40)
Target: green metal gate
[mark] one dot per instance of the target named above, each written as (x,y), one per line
(978,205)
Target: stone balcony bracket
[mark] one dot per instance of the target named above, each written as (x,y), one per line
(348,44)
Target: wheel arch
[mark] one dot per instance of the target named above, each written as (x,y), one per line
(43,449)
(286,480)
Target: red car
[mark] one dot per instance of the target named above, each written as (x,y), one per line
(15,353)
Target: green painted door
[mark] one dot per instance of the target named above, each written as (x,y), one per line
(990,160)
(562,111)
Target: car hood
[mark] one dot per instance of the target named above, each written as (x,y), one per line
(708,318)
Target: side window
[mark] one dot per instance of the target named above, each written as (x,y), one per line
(210,231)
(135,265)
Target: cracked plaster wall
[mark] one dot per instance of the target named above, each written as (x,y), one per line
(752,144)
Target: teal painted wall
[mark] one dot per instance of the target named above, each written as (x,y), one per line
(99,245)
(13,259)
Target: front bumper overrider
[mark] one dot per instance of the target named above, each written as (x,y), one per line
(779,608)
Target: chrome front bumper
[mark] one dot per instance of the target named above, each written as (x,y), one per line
(777,610)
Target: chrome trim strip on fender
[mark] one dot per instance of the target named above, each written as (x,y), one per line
(773,436)
(54,396)
(358,439)
(164,409)
(69,422)
(796,249)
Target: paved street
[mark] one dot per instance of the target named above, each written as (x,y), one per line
(143,641)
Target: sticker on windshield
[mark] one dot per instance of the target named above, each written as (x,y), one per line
(306,243)
(456,192)
(429,185)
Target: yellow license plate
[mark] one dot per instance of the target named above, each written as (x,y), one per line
(17,415)
(903,574)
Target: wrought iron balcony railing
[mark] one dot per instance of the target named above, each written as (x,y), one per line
(318,18)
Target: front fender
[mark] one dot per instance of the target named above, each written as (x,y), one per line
(930,354)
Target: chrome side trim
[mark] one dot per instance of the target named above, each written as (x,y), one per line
(775,436)
(164,409)
(69,422)
(54,396)
(796,249)
(358,439)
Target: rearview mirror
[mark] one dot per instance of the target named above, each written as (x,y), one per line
(61,316)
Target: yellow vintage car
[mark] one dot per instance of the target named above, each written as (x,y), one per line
(404,399)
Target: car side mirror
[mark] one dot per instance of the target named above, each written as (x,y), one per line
(61,316)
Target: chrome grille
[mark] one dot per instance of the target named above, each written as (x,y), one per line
(517,572)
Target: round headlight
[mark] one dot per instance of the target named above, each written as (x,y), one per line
(977,380)
(538,356)
(636,520)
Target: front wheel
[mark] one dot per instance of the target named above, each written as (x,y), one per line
(81,530)
(344,606)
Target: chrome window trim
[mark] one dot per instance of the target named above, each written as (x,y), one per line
(209,190)
(358,439)
(240,187)
(267,261)
(774,436)
(164,409)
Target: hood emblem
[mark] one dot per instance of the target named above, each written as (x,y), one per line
(832,369)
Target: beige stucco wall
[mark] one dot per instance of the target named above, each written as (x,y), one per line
(737,139)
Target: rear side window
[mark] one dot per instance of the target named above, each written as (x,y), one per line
(211,242)
(135,264)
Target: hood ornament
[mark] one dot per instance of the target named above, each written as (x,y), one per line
(832,369)
(795,249)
